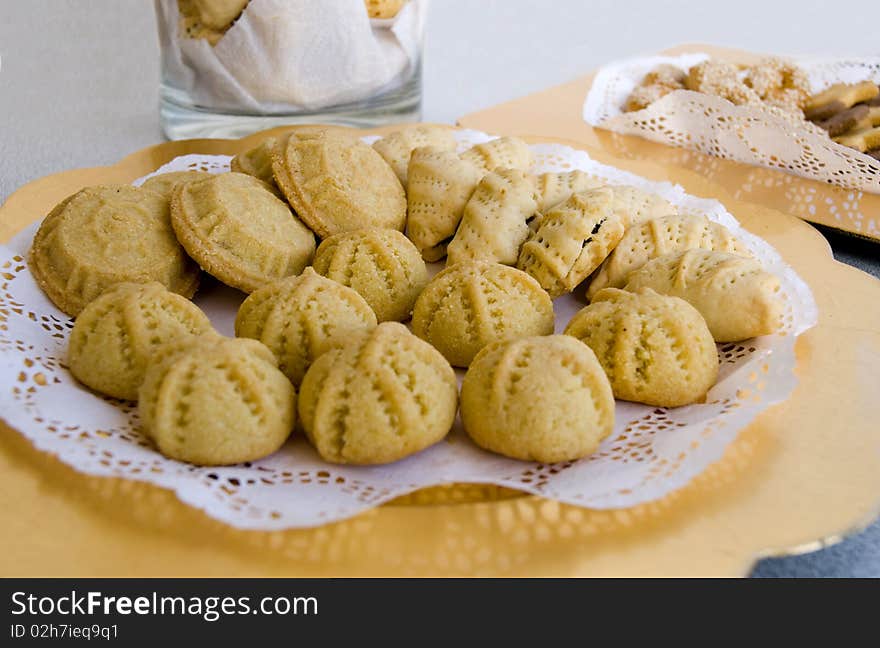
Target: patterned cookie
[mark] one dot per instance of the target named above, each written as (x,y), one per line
(543,399)
(117,334)
(838,98)
(470,305)
(215,401)
(381,397)
(397,147)
(164,183)
(337,183)
(505,152)
(553,188)
(102,236)
(634,206)
(299,318)
(381,265)
(257,161)
(660,236)
(734,294)
(383,8)
(495,221)
(655,349)
(572,240)
(239,231)
(440,185)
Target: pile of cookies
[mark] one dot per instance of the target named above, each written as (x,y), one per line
(319,342)
(850,113)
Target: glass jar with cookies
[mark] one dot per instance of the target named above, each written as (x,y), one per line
(233,67)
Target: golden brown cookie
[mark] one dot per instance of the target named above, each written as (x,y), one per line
(239,231)
(102,236)
(397,147)
(655,349)
(299,318)
(214,401)
(553,188)
(381,265)
(838,98)
(164,183)
(720,78)
(779,82)
(469,305)
(256,161)
(634,206)
(381,397)
(213,14)
(863,139)
(384,8)
(541,399)
(644,95)
(337,183)
(116,335)
(504,152)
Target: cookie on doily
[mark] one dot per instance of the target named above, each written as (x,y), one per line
(397,147)
(506,152)
(164,183)
(553,188)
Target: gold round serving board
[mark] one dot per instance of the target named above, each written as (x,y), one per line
(804,474)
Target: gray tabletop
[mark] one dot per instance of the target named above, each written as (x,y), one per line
(78,88)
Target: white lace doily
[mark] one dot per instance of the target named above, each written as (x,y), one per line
(749,134)
(651,452)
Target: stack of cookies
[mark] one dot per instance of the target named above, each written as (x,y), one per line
(850,113)
(330,240)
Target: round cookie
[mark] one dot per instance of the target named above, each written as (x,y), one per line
(299,318)
(216,401)
(381,397)
(256,161)
(239,231)
(541,399)
(469,305)
(105,235)
(337,183)
(381,265)
(655,349)
(116,335)
(164,183)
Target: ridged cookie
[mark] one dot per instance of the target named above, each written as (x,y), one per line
(256,161)
(634,206)
(504,152)
(397,147)
(163,184)
(553,188)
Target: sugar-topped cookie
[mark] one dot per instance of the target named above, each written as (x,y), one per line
(541,399)
(396,148)
(469,305)
(440,185)
(659,236)
(494,224)
(164,183)
(655,349)
(734,294)
(381,265)
(299,318)
(213,401)
(553,188)
(381,397)
(102,236)
(256,161)
(239,231)
(336,183)
(504,152)
(117,334)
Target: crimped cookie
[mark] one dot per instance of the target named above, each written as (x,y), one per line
(239,231)
(257,161)
(660,236)
(655,349)
(102,236)
(734,294)
(381,397)
(213,401)
(470,305)
(571,241)
(381,265)
(553,188)
(397,147)
(383,8)
(164,183)
(634,206)
(440,185)
(337,183)
(495,222)
(299,318)
(541,399)
(505,152)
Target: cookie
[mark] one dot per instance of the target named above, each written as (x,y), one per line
(654,349)
(644,95)
(494,224)
(720,79)
(505,152)
(239,231)
(381,397)
(336,183)
(863,139)
(257,161)
(439,186)
(164,183)
(469,305)
(779,82)
(299,318)
(381,265)
(543,399)
(851,119)
(657,237)
(213,14)
(553,188)
(383,9)
(838,98)
(734,294)
(397,147)
(105,235)
(634,206)
(665,74)
(572,240)
(117,334)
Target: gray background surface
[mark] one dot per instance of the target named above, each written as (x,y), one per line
(78,88)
